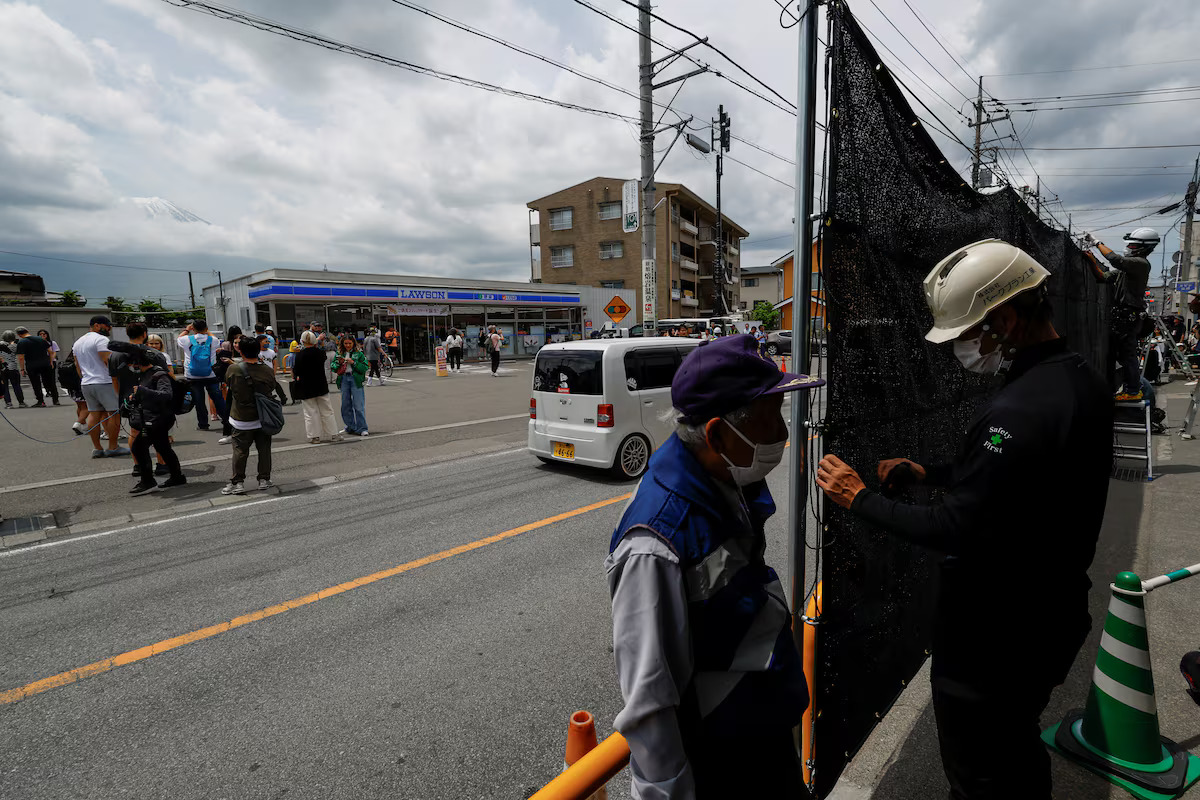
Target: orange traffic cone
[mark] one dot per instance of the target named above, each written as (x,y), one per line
(581,738)
(783,363)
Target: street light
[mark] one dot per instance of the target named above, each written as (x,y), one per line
(696,143)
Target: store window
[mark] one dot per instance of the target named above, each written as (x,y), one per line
(562,256)
(610,211)
(612,250)
(612,284)
(561,219)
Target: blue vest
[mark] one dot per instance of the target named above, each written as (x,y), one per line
(747,675)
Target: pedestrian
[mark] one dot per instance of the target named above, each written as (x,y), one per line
(91,362)
(266,355)
(199,356)
(711,678)
(124,368)
(454,349)
(45,334)
(350,366)
(758,334)
(373,349)
(495,342)
(10,370)
(246,379)
(308,378)
(68,376)
(36,358)
(393,342)
(152,415)
(227,354)
(154,341)
(1043,437)
(1129,279)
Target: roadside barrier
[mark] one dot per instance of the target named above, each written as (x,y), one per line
(588,766)
(811,618)
(1117,734)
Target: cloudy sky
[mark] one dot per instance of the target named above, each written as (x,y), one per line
(296,155)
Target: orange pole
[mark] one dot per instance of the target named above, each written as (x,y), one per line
(589,773)
(812,614)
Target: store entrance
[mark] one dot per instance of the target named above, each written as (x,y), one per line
(419,336)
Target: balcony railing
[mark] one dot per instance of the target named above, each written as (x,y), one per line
(733,251)
(688,227)
(690,302)
(687,263)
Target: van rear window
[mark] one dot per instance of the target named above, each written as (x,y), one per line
(569,372)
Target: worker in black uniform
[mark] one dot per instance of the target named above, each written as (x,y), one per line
(1129,304)
(1022,509)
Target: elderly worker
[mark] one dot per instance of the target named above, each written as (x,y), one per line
(701,631)
(1024,502)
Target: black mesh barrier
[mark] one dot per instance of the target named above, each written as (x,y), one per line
(895,208)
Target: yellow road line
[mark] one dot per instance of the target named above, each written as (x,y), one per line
(142,653)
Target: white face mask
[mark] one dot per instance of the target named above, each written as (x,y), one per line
(766,458)
(967,353)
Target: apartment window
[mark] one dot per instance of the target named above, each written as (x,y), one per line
(674,251)
(749,283)
(562,256)
(611,250)
(561,218)
(609,211)
(674,284)
(612,284)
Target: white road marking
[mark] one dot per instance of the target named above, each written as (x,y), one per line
(288,448)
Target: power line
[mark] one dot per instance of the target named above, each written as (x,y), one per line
(1101,105)
(1123,147)
(268,26)
(100,263)
(1089,69)
(914,47)
(970,77)
(1096,95)
(907,69)
(760,172)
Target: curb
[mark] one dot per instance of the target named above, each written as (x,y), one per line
(16,541)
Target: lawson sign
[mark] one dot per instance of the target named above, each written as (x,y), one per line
(330,294)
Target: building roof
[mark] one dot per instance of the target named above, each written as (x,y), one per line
(675,188)
(385,279)
(768,269)
(779,261)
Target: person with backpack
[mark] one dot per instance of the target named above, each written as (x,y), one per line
(122,366)
(454,349)
(199,357)
(152,403)
(69,379)
(495,342)
(251,385)
(350,367)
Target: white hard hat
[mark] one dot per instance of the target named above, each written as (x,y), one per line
(1143,236)
(967,284)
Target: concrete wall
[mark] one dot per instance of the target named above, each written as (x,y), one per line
(65,324)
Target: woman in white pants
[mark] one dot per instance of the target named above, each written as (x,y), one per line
(312,390)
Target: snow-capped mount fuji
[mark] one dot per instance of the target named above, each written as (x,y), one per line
(157,207)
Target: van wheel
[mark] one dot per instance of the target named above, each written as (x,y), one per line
(632,457)
(772,349)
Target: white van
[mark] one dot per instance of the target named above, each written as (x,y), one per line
(604,402)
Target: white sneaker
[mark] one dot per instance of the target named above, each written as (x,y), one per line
(225,440)
(368,383)
(103,436)
(79,427)
(234,488)
(364,434)
(337,437)
(343,430)
(264,484)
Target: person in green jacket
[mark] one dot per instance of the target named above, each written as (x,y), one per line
(350,367)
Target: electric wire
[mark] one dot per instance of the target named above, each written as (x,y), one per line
(100,263)
(1090,69)
(915,50)
(970,77)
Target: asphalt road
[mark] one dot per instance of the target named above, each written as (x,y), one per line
(451,678)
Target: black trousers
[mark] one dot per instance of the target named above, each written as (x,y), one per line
(455,356)
(1126,325)
(760,766)
(12,385)
(157,436)
(495,361)
(43,379)
(373,369)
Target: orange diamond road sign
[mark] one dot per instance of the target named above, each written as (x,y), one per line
(617,309)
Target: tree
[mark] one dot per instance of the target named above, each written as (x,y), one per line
(115,304)
(767,314)
(150,305)
(71,298)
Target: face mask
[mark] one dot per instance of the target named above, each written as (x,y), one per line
(967,353)
(766,458)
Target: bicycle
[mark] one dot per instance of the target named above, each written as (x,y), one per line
(386,365)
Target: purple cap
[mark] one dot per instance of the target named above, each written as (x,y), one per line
(724,375)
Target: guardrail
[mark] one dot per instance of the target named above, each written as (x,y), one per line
(590,773)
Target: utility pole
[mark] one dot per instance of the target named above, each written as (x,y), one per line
(649,229)
(1037,198)
(980,121)
(221,300)
(721,140)
(1185,258)
(191,289)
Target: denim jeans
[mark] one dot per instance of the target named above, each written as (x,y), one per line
(353,406)
(213,387)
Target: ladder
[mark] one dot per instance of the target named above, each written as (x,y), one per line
(1124,424)
(1179,357)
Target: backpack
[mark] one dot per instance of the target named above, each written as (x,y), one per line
(68,378)
(270,410)
(491,346)
(184,400)
(201,352)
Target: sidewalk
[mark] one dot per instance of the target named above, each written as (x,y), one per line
(1150,528)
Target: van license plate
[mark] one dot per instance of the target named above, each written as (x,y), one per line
(563,450)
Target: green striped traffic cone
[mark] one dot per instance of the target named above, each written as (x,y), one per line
(1116,735)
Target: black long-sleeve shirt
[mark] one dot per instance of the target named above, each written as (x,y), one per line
(1025,495)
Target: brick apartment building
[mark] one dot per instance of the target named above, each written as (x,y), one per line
(578,239)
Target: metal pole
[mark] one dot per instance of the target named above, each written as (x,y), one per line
(806,117)
(978,136)
(1185,258)
(191,290)
(221,300)
(646,94)
(719,263)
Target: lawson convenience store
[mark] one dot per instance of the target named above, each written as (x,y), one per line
(422,309)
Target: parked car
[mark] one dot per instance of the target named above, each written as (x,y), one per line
(780,343)
(604,403)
